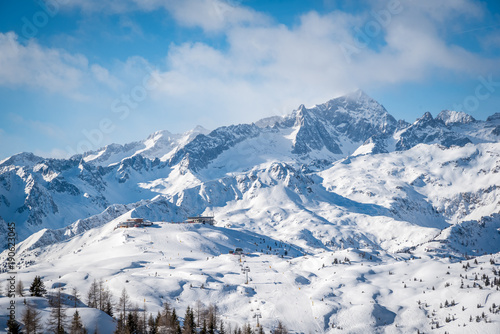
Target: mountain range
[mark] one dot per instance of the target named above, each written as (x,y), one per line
(304,153)
(342,175)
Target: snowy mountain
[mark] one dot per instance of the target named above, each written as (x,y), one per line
(340,179)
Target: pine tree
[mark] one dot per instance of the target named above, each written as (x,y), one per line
(174,322)
(189,325)
(204,328)
(222,329)
(120,324)
(109,307)
(152,325)
(37,288)
(31,319)
(76,324)
(13,327)
(57,319)
(131,324)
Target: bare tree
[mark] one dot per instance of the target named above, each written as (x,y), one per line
(124,303)
(93,295)
(20,288)
(31,319)
(280,329)
(75,295)
(200,309)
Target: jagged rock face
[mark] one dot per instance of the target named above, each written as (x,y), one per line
(359,117)
(496,131)
(429,130)
(198,153)
(494,118)
(355,117)
(312,134)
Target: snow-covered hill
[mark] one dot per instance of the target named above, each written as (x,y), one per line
(351,290)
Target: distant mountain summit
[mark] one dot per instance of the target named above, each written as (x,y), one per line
(455,117)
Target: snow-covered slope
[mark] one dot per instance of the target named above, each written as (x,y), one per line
(340,179)
(351,290)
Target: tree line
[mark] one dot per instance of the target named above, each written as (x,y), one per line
(130,318)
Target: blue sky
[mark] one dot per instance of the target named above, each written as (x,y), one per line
(79,74)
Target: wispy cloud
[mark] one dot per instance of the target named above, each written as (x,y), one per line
(33,65)
(210,15)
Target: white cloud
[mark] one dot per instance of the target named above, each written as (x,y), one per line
(102,75)
(491,41)
(35,66)
(212,15)
(276,66)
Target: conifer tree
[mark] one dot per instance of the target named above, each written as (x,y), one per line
(76,324)
(120,324)
(222,329)
(131,324)
(152,325)
(13,327)
(189,325)
(37,288)
(174,321)
(204,328)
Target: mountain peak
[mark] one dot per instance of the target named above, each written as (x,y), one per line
(455,117)
(358,95)
(23,159)
(425,118)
